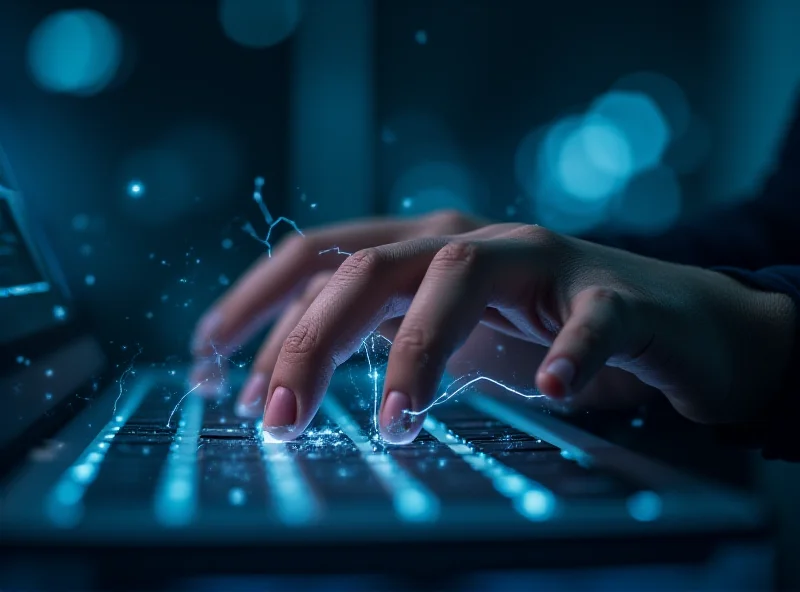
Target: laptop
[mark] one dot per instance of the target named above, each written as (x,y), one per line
(133,482)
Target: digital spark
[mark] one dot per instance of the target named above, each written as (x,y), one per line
(121,381)
(248,228)
(368,343)
(190,391)
(336,250)
(446,396)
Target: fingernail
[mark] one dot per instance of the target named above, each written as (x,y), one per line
(281,413)
(251,398)
(395,422)
(563,370)
(205,330)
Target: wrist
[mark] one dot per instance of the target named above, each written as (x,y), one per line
(757,329)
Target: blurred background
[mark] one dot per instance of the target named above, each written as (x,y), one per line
(137,129)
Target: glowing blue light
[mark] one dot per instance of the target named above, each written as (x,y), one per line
(259,23)
(48,372)
(59,313)
(227,243)
(135,189)
(237,496)
(90,280)
(74,51)
(24,290)
(537,504)
(593,161)
(421,37)
(640,121)
(666,93)
(645,506)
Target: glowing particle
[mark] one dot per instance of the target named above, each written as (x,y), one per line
(407,203)
(421,37)
(183,280)
(223,280)
(637,422)
(237,496)
(59,312)
(48,396)
(227,243)
(511,211)
(84,473)
(500,348)
(48,372)
(148,315)
(313,206)
(644,506)
(89,279)
(164,297)
(136,189)
(20,360)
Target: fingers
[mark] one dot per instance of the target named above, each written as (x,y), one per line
(448,305)
(369,287)
(272,282)
(254,394)
(597,329)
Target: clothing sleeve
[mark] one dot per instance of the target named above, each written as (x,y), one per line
(762,232)
(776,431)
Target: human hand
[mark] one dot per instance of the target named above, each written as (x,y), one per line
(687,332)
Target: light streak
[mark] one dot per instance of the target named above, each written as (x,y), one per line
(176,493)
(121,381)
(412,501)
(446,396)
(531,499)
(190,391)
(64,503)
(336,250)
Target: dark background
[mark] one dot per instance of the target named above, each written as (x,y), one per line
(488,74)
(336,114)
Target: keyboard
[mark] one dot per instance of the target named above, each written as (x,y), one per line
(179,461)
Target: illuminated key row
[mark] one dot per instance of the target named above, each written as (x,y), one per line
(64,503)
(176,494)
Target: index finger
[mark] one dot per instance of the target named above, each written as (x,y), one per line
(263,290)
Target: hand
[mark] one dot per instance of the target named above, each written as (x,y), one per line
(693,334)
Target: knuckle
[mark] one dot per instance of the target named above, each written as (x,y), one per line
(366,262)
(454,254)
(302,340)
(537,234)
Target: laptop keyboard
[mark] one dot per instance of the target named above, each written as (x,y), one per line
(198,456)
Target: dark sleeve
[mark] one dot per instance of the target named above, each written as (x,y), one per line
(759,233)
(776,432)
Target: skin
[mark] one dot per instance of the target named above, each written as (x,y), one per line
(592,320)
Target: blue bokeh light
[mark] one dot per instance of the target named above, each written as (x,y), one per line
(136,189)
(667,95)
(75,51)
(641,122)
(259,23)
(645,506)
